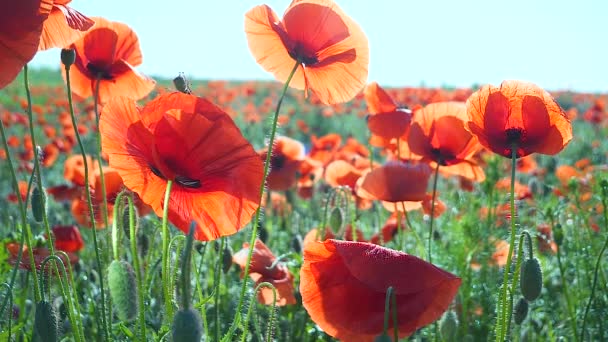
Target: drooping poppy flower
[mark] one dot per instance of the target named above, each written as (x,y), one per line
(287,155)
(67,238)
(386,121)
(21,25)
(395,182)
(518,114)
(438,134)
(215,171)
(63,26)
(109,52)
(264,268)
(330,48)
(344,284)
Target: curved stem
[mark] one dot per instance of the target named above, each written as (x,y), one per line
(501,324)
(135,256)
(166,277)
(430,242)
(9,296)
(100,268)
(273,131)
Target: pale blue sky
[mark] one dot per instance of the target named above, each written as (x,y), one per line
(555,44)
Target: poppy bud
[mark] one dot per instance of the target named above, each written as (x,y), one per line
(226,259)
(125,220)
(143,245)
(38,204)
(123,289)
(181,84)
(68,57)
(521,310)
(45,322)
(336,219)
(558,234)
(383,338)
(531,281)
(449,325)
(187,326)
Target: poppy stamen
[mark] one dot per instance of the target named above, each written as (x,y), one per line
(188,182)
(157,172)
(515,135)
(298,53)
(99,72)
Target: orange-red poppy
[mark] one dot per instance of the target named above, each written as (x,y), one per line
(22,185)
(215,171)
(390,229)
(545,238)
(264,268)
(330,47)
(518,114)
(74,169)
(67,238)
(344,284)
(395,182)
(40,253)
(109,52)
(63,26)
(499,257)
(386,121)
(287,155)
(21,25)
(437,133)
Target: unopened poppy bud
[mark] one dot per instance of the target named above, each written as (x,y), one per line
(45,322)
(226,259)
(187,326)
(123,289)
(558,234)
(126,220)
(449,326)
(383,338)
(38,204)
(336,219)
(521,310)
(531,281)
(181,84)
(143,245)
(68,57)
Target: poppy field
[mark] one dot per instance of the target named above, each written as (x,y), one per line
(321,206)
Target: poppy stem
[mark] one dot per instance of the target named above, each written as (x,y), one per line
(135,256)
(104,195)
(25,229)
(501,322)
(186,261)
(604,190)
(391,300)
(9,296)
(166,277)
(430,242)
(273,131)
(104,318)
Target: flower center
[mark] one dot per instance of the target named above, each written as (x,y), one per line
(299,53)
(184,181)
(100,72)
(515,135)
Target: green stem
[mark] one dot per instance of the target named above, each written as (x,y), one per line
(567,295)
(166,277)
(114,233)
(430,242)
(9,296)
(597,263)
(217,278)
(186,261)
(104,207)
(501,322)
(135,256)
(273,131)
(100,268)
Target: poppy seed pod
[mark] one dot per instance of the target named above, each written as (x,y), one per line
(521,310)
(531,281)
(38,204)
(123,289)
(181,84)
(336,220)
(449,326)
(68,57)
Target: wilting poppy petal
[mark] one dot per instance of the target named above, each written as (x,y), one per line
(395,182)
(216,173)
(331,48)
(20,29)
(518,114)
(344,285)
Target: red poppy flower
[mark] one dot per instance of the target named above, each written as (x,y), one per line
(67,238)
(395,182)
(74,168)
(386,121)
(109,52)
(40,253)
(287,155)
(63,26)
(330,47)
(438,134)
(21,25)
(260,271)
(344,284)
(518,114)
(216,174)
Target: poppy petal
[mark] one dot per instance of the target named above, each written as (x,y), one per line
(63,26)
(378,101)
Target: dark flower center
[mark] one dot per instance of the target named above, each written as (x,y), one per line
(277,162)
(443,158)
(184,181)
(515,135)
(100,72)
(298,52)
